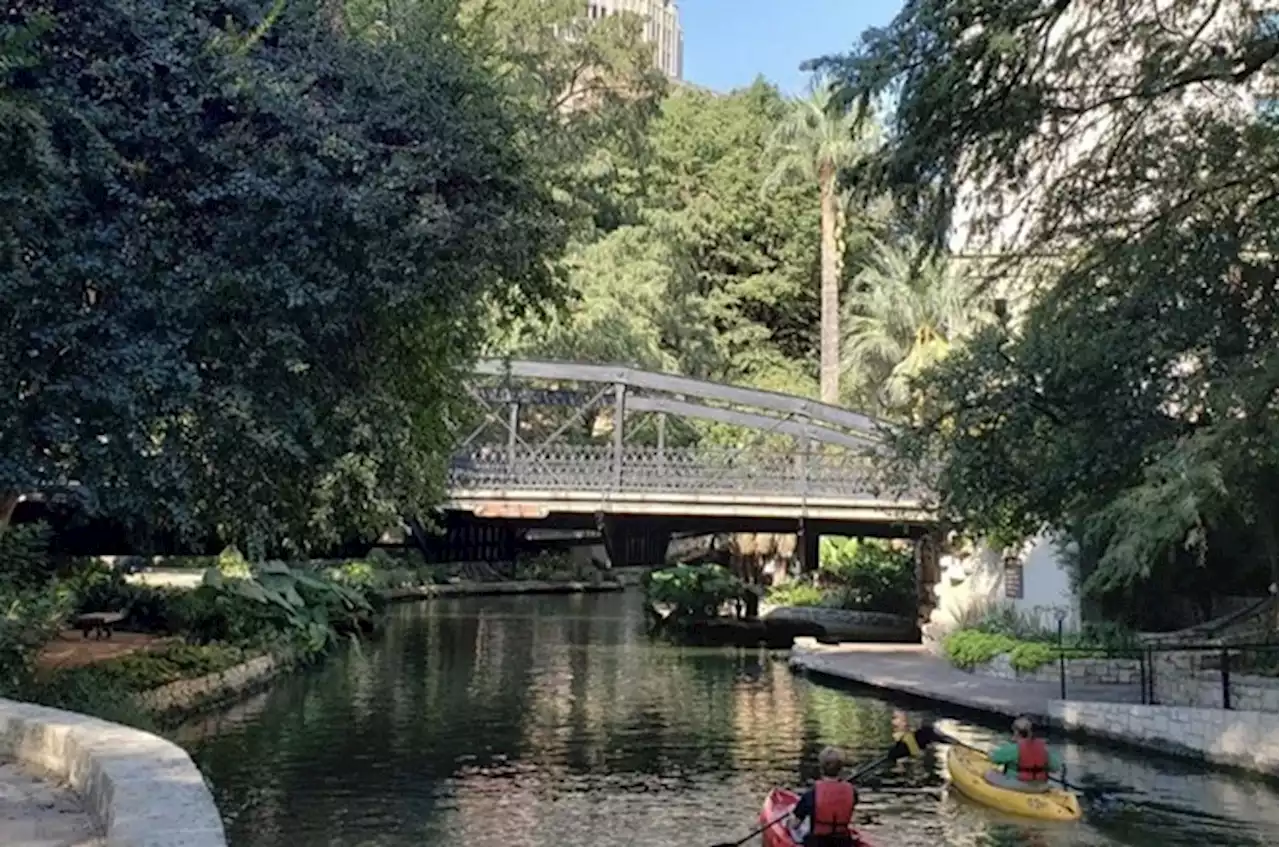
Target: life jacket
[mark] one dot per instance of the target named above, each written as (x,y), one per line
(1033,760)
(833,804)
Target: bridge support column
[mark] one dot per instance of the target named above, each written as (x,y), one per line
(807,544)
(633,542)
(928,573)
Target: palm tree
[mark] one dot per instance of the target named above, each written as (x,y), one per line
(905,314)
(815,141)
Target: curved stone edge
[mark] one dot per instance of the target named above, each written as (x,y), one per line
(850,624)
(186,696)
(141,790)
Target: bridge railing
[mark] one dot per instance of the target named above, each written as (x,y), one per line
(676,470)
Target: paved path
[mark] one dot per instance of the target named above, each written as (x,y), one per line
(35,813)
(911,669)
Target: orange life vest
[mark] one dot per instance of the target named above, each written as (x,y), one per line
(833,804)
(1033,760)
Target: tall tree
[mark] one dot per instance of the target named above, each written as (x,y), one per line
(1133,403)
(239,285)
(816,140)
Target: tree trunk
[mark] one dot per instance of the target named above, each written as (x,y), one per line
(8,503)
(829,384)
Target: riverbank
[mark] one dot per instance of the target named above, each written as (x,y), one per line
(1234,739)
(497,589)
(110,784)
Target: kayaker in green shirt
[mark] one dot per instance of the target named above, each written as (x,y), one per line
(1026,761)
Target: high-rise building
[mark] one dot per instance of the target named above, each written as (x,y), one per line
(661,29)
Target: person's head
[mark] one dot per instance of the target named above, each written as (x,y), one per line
(1023,728)
(830,762)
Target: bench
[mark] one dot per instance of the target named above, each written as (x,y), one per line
(99,623)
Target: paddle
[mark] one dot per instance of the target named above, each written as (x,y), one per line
(908,744)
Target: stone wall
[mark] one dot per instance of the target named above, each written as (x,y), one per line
(1241,739)
(1098,671)
(1203,689)
(188,695)
(848,625)
(140,789)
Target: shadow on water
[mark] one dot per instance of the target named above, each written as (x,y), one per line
(541,721)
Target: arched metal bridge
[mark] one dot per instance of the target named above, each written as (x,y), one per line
(562,438)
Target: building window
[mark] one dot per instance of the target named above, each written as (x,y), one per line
(1013,579)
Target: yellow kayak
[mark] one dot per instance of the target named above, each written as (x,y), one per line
(968,769)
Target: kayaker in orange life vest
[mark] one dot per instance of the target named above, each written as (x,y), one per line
(828,805)
(1027,760)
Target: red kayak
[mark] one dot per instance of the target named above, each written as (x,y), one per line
(779,802)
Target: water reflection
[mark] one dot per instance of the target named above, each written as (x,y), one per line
(552,721)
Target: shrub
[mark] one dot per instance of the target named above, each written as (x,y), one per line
(33,606)
(969,648)
(694,592)
(1005,619)
(553,566)
(101,588)
(278,604)
(233,565)
(868,575)
(108,689)
(797,594)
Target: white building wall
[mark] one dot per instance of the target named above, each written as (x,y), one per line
(975,583)
(662,29)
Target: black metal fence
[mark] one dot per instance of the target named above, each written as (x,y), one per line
(1234,676)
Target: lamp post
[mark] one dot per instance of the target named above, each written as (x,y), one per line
(1061,614)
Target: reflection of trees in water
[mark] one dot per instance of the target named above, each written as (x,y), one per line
(475,720)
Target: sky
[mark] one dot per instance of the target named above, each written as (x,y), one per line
(728,42)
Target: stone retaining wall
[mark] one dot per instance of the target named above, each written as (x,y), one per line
(140,789)
(189,695)
(1241,739)
(848,625)
(1079,671)
(1203,689)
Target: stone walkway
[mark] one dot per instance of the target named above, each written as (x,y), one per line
(35,813)
(911,669)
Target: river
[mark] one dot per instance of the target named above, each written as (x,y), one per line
(554,722)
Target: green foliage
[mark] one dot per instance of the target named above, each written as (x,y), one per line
(855,574)
(239,288)
(868,575)
(148,669)
(798,593)
(969,648)
(233,565)
(1006,619)
(710,275)
(33,607)
(554,566)
(693,592)
(1129,400)
(907,310)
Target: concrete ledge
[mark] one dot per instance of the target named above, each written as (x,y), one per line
(489,589)
(141,790)
(1248,740)
(848,625)
(190,695)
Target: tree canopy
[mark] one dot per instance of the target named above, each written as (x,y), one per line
(244,248)
(1122,158)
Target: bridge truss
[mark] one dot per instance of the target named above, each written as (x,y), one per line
(558,426)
